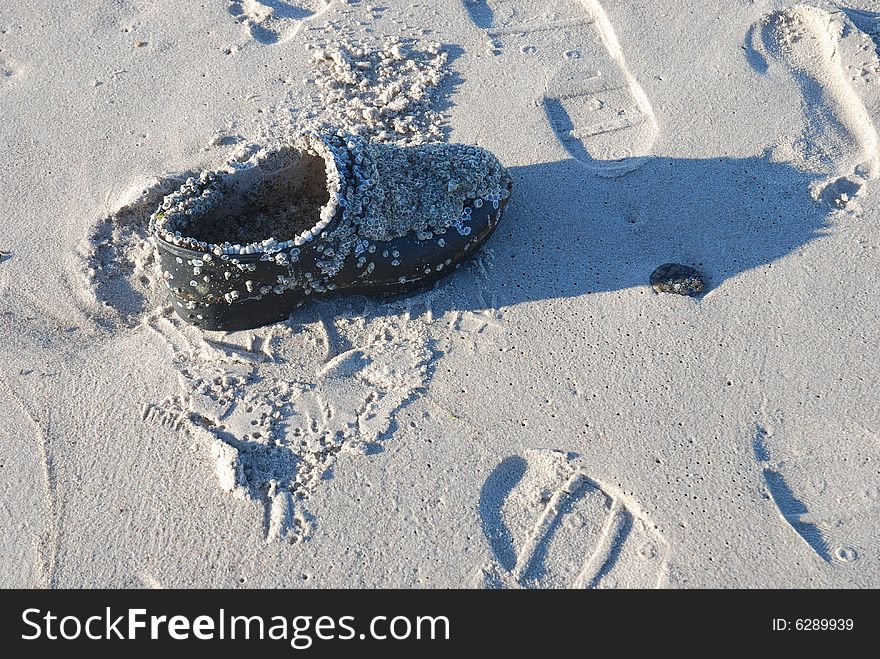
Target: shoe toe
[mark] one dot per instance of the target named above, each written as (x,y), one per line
(415,259)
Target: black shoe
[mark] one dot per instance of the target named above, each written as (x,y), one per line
(327,214)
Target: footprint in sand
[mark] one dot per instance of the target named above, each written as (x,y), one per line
(118,262)
(275,406)
(839,142)
(595,106)
(822,479)
(552,526)
(276,21)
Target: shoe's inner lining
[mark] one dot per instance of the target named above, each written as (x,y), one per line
(280,198)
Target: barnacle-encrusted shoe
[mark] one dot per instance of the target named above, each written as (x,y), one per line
(244,246)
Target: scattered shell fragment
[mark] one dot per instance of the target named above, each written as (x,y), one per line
(677,278)
(384,90)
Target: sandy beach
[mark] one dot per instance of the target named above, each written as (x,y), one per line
(542,417)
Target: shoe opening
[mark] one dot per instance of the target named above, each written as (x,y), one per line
(279,198)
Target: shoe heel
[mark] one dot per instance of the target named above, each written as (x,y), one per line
(228,292)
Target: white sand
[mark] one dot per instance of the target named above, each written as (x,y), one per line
(541,418)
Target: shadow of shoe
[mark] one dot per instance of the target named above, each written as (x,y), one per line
(568,233)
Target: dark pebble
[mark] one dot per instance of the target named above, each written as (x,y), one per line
(678,279)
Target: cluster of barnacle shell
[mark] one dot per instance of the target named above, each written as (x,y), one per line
(389,191)
(413,196)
